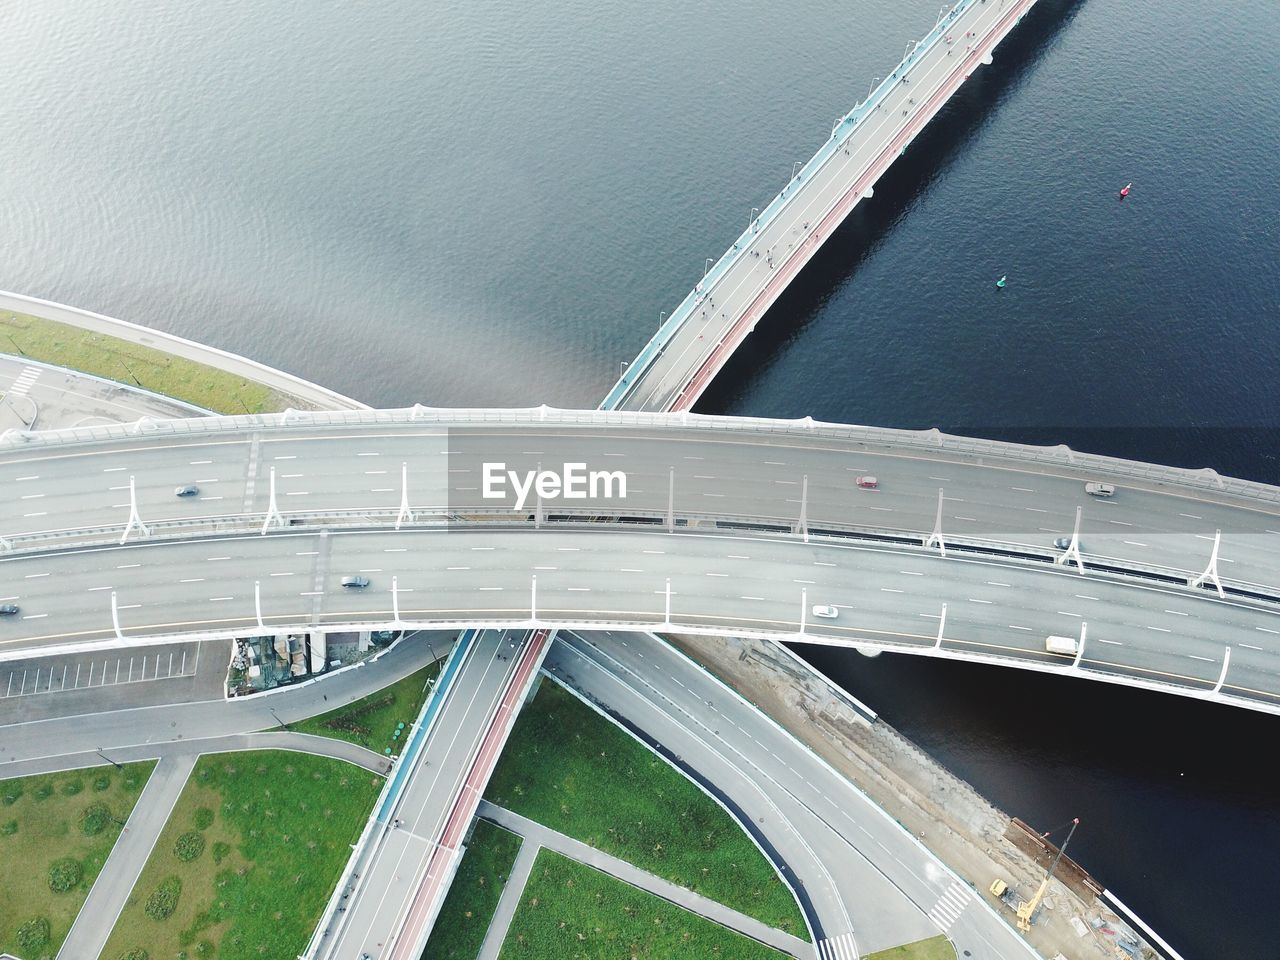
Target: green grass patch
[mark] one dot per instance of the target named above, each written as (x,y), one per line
(136,365)
(473,895)
(572,770)
(54,839)
(573,912)
(373,720)
(254,887)
(935,948)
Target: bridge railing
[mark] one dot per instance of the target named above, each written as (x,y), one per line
(1059,457)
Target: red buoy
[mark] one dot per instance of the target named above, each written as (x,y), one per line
(1127,188)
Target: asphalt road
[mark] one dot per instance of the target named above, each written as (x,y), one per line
(385,908)
(727,304)
(746,474)
(865,882)
(719,584)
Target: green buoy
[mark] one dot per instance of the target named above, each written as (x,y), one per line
(1001,281)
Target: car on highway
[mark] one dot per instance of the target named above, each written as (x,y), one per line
(867,482)
(355,583)
(825,611)
(186,490)
(8,610)
(1062,543)
(1100,489)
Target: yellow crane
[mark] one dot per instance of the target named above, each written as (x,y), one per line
(1027,910)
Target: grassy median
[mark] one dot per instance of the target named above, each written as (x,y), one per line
(248,859)
(572,770)
(935,948)
(573,912)
(114,359)
(474,894)
(373,721)
(56,832)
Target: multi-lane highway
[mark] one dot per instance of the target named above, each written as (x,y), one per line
(714,469)
(389,901)
(720,583)
(865,883)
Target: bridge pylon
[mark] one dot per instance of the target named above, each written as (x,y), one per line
(935,538)
(1073,548)
(1210,574)
(273,516)
(134,519)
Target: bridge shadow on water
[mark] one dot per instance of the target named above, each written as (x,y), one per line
(865,229)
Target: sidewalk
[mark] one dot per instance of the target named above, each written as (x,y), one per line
(535,836)
(93,924)
(304,394)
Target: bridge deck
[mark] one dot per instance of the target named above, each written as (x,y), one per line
(676,366)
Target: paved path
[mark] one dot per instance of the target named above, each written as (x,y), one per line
(536,835)
(308,395)
(93,925)
(149,727)
(496,935)
(182,749)
(35,395)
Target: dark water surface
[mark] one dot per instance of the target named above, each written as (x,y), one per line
(490,202)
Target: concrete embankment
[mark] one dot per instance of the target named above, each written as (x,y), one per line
(975,839)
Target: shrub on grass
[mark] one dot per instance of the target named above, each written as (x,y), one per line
(12,794)
(65,874)
(189,846)
(164,899)
(203,818)
(9,828)
(220,851)
(137,953)
(33,934)
(95,818)
(71,787)
(43,792)
(101,782)
(204,948)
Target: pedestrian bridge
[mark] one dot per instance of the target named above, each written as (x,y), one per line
(728,527)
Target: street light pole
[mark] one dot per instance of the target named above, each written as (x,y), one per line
(108,759)
(283,725)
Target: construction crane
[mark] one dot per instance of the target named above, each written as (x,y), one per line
(1027,910)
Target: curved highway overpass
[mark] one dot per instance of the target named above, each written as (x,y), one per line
(751,522)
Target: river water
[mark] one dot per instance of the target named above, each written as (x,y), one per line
(490,202)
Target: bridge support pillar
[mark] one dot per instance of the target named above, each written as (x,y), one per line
(1210,574)
(533,599)
(115,617)
(257,603)
(1222,677)
(666,620)
(134,519)
(942,625)
(405,512)
(804,508)
(671,500)
(1073,548)
(273,517)
(395,601)
(804,609)
(935,538)
(1075,664)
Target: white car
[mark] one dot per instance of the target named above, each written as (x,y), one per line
(1100,489)
(826,611)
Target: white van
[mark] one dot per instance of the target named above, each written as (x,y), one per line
(1068,646)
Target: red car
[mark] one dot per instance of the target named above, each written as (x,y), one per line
(868,483)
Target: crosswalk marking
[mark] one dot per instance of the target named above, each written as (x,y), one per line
(949,906)
(25,379)
(839,947)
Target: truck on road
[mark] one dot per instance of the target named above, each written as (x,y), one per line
(1068,646)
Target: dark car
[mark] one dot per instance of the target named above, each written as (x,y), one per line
(355,583)
(188,490)
(8,609)
(1062,543)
